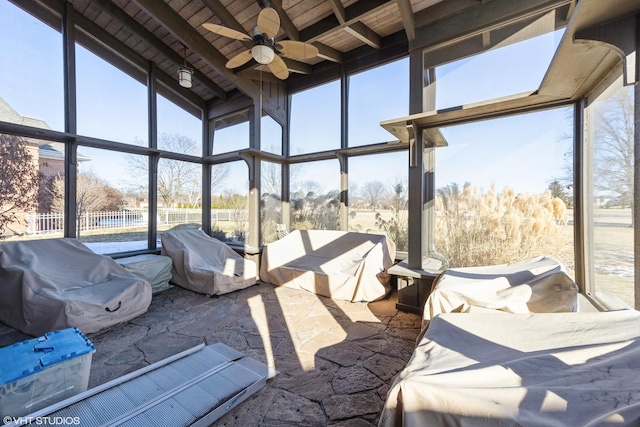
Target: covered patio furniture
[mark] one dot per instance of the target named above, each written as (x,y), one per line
(336,264)
(534,369)
(206,265)
(53,284)
(536,285)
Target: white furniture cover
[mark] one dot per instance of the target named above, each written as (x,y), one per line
(550,369)
(537,285)
(155,269)
(336,264)
(53,284)
(206,265)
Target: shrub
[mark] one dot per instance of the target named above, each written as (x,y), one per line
(475,228)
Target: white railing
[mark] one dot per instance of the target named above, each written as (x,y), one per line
(54,222)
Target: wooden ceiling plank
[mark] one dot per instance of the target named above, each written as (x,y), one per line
(196,42)
(338,10)
(406,12)
(137,28)
(364,34)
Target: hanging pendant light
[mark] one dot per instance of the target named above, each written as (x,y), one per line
(185,73)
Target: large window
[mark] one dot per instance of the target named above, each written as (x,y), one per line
(503,71)
(178,130)
(231,133)
(376,95)
(270,201)
(270,135)
(230,201)
(609,153)
(111,104)
(112,212)
(315,195)
(179,195)
(31,69)
(378,196)
(315,119)
(503,190)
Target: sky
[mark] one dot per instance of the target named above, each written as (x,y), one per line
(524,152)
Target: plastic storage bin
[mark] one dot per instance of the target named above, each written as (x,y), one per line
(42,371)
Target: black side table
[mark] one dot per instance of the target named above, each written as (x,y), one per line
(414,284)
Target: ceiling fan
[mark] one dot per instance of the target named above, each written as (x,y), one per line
(261,45)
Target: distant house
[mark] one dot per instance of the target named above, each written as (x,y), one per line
(49,156)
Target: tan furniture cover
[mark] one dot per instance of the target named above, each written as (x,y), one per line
(551,369)
(336,264)
(53,284)
(206,265)
(155,269)
(537,285)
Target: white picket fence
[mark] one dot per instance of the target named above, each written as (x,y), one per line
(54,222)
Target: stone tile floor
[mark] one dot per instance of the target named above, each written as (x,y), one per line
(335,359)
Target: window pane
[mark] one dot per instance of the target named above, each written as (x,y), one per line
(376,95)
(230,202)
(315,119)
(28,170)
(178,130)
(30,51)
(504,71)
(112,202)
(378,196)
(111,105)
(270,135)
(610,142)
(503,190)
(315,195)
(270,204)
(231,133)
(179,195)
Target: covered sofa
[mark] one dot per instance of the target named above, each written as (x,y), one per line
(53,284)
(536,285)
(206,265)
(337,264)
(534,369)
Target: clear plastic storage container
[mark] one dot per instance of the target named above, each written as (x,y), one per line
(42,371)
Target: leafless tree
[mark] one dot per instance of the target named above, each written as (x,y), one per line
(613,146)
(19,180)
(374,192)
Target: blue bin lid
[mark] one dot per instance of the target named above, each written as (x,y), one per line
(31,356)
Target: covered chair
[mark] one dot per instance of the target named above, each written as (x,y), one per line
(336,264)
(206,265)
(53,284)
(536,285)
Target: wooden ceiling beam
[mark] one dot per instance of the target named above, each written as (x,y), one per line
(329,53)
(183,31)
(338,10)
(406,12)
(354,13)
(297,66)
(125,19)
(223,14)
(364,34)
(285,22)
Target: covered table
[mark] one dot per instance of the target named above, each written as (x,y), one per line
(337,264)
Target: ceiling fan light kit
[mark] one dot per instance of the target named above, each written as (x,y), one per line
(265,50)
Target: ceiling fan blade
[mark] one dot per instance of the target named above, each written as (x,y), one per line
(278,68)
(240,59)
(226,32)
(298,49)
(269,22)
